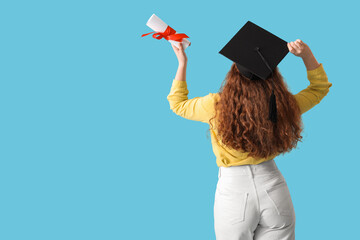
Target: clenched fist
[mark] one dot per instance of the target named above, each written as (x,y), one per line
(180,53)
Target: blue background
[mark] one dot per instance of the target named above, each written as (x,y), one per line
(91,150)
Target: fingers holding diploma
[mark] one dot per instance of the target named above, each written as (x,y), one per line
(180,53)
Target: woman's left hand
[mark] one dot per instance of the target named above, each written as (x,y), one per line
(180,53)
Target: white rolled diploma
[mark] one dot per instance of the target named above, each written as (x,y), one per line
(156,24)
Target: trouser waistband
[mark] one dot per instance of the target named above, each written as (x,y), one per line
(249,169)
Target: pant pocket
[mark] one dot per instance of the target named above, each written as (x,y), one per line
(281,199)
(230,206)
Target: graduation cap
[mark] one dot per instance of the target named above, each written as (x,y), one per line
(256,53)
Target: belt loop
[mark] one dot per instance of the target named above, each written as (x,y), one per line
(250,170)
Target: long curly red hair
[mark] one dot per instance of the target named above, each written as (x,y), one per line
(241,115)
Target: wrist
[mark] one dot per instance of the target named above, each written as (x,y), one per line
(310,62)
(182,64)
(307,55)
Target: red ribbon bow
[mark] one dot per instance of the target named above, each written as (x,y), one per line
(168,34)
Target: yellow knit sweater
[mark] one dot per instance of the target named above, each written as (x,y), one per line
(202,109)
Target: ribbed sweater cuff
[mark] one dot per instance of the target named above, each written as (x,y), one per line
(316,72)
(178,83)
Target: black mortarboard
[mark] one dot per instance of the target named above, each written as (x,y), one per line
(256,53)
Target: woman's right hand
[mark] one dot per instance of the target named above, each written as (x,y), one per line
(299,48)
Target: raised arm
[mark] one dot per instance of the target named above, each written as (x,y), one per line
(319,84)
(198,108)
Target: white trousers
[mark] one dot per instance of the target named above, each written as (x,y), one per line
(253,202)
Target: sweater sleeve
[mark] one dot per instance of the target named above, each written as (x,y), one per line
(316,91)
(196,109)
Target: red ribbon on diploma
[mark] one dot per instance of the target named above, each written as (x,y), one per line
(168,34)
